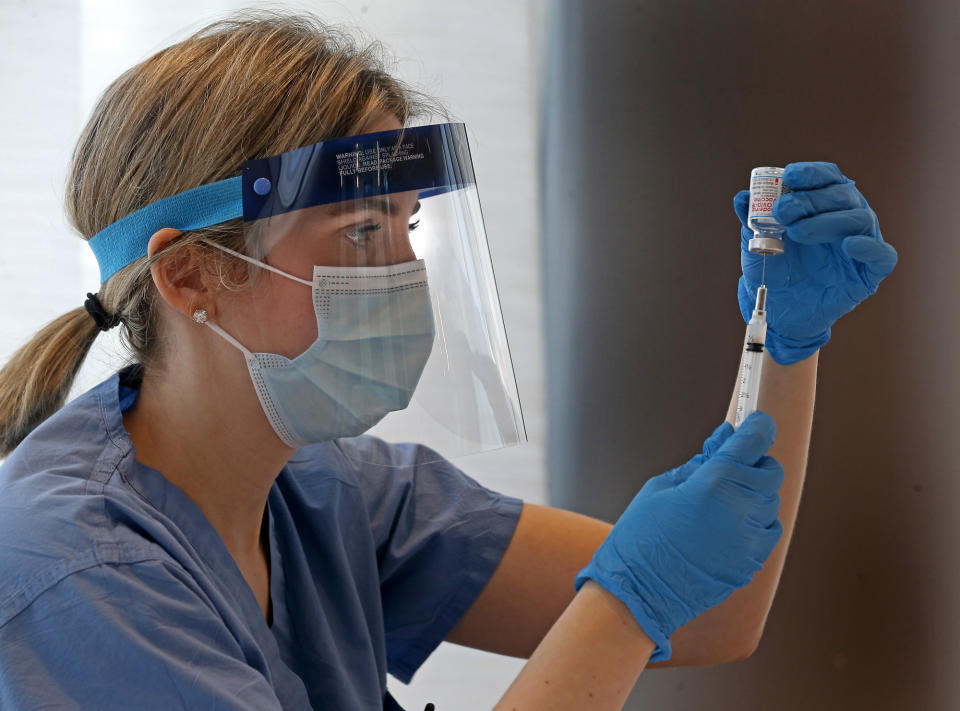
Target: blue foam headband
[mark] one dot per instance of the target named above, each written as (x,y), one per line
(125,241)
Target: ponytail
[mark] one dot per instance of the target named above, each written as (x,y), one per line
(36,380)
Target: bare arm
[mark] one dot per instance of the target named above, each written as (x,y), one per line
(736,625)
(590,658)
(533,584)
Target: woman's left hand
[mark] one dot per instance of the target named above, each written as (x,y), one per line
(834,257)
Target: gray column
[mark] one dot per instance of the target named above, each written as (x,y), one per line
(654,114)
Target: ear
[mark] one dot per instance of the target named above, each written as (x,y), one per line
(178,276)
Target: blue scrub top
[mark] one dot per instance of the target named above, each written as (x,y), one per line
(116,592)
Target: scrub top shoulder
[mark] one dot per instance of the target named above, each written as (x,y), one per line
(117,592)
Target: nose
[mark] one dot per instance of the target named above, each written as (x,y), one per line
(403,249)
(394,247)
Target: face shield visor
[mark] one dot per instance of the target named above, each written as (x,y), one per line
(369,303)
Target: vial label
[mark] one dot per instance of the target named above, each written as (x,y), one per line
(764,190)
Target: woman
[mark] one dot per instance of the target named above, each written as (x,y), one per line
(206,529)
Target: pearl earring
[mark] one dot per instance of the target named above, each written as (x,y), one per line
(200,316)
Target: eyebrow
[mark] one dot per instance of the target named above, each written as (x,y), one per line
(380,203)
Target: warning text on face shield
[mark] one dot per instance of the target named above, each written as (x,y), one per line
(375,159)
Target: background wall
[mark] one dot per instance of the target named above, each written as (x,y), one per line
(655,113)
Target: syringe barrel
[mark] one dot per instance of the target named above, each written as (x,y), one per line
(757,329)
(749,382)
(761,304)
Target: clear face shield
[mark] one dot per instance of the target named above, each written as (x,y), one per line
(370,304)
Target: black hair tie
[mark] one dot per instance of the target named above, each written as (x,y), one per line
(103,320)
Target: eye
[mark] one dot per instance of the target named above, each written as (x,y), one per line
(360,235)
(414,225)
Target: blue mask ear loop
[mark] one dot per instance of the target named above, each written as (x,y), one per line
(216,329)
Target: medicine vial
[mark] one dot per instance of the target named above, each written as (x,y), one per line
(766,185)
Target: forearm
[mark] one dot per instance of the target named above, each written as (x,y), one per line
(590,658)
(732,628)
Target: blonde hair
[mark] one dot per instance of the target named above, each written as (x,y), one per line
(254,85)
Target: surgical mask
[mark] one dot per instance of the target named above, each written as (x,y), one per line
(374,336)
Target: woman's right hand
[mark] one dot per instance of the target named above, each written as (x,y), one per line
(695,534)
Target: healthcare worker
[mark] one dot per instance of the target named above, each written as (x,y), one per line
(295,260)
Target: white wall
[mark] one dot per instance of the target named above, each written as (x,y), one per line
(39,275)
(480,58)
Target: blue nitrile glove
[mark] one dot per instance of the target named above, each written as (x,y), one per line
(692,536)
(834,257)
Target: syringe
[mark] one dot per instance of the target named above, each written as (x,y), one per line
(752,358)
